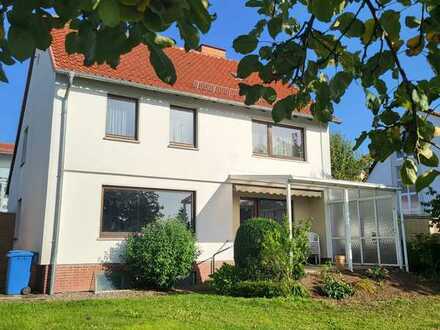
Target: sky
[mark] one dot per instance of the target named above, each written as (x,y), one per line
(232,20)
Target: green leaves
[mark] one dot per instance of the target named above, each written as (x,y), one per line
(162,64)
(339,84)
(408,172)
(349,25)
(248,65)
(425,180)
(274,26)
(322,9)
(21,44)
(109,12)
(390,21)
(245,44)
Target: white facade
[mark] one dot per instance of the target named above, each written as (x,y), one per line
(224,148)
(387,173)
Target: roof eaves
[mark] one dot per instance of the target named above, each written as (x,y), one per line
(177,92)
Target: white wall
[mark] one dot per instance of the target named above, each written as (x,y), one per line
(29,182)
(385,172)
(224,148)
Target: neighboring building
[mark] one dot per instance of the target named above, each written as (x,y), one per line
(388,173)
(6,152)
(137,149)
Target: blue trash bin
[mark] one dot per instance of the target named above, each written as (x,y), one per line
(19,271)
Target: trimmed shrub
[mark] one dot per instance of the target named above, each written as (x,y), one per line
(162,253)
(224,279)
(262,288)
(424,255)
(261,251)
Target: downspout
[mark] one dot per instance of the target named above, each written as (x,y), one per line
(59,189)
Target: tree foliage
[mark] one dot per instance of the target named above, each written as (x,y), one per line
(346,164)
(102,30)
(320,53)
(341,41)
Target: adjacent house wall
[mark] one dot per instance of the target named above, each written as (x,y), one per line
(29,181)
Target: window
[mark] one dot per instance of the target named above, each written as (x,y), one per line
(183,126)
(278,141)
(122,116)
(410,197)
(127,210)
(266,208)
(24,145)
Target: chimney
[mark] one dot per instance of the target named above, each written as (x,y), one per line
(212,51)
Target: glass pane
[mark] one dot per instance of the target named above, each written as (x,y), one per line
(338,247)
(366,193)
(405,202)
(387,251)
(385,217)
(273,209)
(127,210)
(353,194)
(182,126)
(287,142)
(415,204)
(369,249)
(247,207)
(356,250)
(121,117)
(336,194)
(368,222)
(259,138)
(354,220)
(337,219)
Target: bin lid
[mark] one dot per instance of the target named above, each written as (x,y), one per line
(20,253)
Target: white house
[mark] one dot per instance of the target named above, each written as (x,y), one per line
(6,151)
(388,173)
(102,152)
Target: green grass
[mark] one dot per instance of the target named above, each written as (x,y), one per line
(198,311)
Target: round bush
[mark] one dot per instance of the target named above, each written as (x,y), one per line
(261,250)
(161,254)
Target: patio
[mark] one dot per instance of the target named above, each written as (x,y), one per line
(361,221)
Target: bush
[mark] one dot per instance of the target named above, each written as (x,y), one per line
(333,286)
(224,279)
(377,273)
(263,288)
(261,251)
(300,248)
(424,255)
(366,285)
(161,254)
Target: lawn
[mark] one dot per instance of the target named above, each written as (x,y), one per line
(203,311)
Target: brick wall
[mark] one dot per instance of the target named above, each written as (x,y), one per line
(81,277)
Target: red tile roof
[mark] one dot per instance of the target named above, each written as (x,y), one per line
(197,73)
(6,148)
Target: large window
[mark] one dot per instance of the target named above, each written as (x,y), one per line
(410,197)
(122,116)
(127,210)
(266,208)
(278,141)
(183,127)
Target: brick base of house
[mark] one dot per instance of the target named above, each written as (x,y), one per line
(81,277)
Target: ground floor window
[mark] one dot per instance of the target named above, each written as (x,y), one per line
(127,210)
(259,207)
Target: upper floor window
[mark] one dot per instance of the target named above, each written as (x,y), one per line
(127,210)
(122,114)
(24,146)
(278,141)
(410,197)
(183,126)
